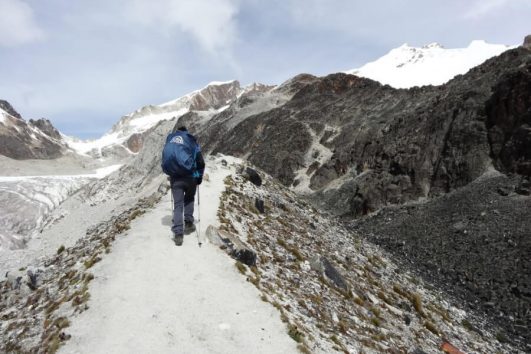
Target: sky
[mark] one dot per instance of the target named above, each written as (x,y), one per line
(84,64)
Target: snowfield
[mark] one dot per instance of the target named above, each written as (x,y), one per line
(408,66)
(26,201)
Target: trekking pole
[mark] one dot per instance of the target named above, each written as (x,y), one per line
(198,229)
(172,206)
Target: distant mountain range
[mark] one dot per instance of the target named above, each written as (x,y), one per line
(126,136)
(402,67)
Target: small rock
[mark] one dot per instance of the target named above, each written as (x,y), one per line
(323,266)
(14,279)
(459,226)
(524,188)
(246,256)
(63,336)
(259,204)
(394,310)
(504,191)
(213,236)
(373,298)
(32,279)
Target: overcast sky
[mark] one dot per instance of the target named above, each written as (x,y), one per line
(85,63)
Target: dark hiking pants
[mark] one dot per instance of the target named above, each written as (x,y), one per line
(183,190)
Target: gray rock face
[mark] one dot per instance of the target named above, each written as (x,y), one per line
(46,127)
(6,106)
(34,140)
(527,42)
(215,96)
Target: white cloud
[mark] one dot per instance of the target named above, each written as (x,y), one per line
(17,23)
(212,23)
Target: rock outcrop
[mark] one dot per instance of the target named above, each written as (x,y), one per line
(23,140)
(6,106)
(46,127)
(527,42)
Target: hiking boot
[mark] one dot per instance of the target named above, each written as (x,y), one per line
(178,239)
(189,227)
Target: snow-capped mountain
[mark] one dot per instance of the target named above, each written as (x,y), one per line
(33,139)
(408,66)
(128,131)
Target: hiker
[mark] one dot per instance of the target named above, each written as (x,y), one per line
(183,162)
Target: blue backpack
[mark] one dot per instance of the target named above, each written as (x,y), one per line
(179,155)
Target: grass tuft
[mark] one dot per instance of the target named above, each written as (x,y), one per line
(241,267)
(295,334)
(431,327)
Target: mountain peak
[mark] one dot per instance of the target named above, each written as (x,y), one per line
(433,45)
(432,64)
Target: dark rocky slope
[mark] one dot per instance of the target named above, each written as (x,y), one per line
(364,147)
(391,146)
(474,242)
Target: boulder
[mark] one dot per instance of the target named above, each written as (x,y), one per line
(135,142)
(253,176)
(232,244)
(259,204)
(324,266)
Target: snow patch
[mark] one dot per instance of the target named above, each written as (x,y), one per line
(2,116)
(98,173)
(317,153)
(407,66)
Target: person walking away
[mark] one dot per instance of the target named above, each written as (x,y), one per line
(183,162)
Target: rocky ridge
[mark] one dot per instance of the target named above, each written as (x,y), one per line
(335,290)
(128,134)
(21,140)
(409,144)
